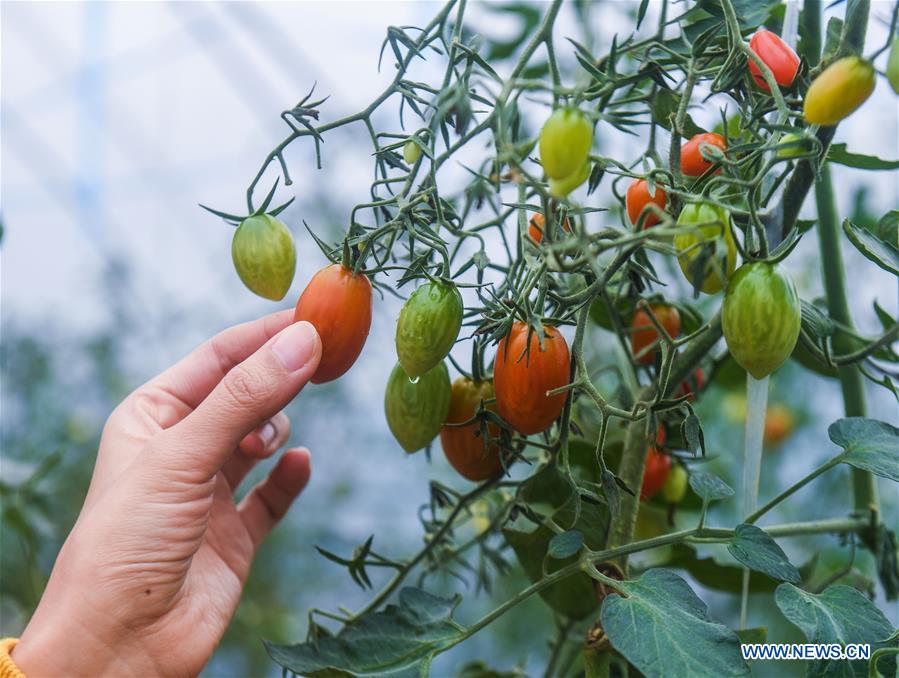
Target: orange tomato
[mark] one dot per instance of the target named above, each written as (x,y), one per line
(644,333)
(536,226)
(522,380)
(464,446)
(779,424)
(692,164)
(338,303)
(658,466)
(638,197)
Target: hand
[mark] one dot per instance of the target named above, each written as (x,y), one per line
(150,575)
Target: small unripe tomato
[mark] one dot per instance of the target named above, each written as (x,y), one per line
(638,198)
(840,89)
(675,488)
(465,448)
(779,424)
(565,142)
(416,409)
(692,163)
(760,317)
(793,145)
(537,224)
(337,302)
(690,385)
(560,188)
(411,152)
(658,466)
(264,256)
(777,55)
(427,327)
(644,333)
(707,252)
(522,380)
(892,70)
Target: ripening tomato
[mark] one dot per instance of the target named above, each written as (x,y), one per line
(658,466)
(675,488)
(264,256)
(692,162)
(522,380)
(565,142)
(644,334)
(691,385)
(777,55)
(464,446)
(638,198)
(840,89)
(411,152)
(537,224)
(416,409)
(760,317)
(707,252)
(337,302)
(427,327)
(779,424)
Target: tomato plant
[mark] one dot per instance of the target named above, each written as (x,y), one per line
(468,448)
(524,370)
(428,326)
(695,154)
(777,55)
(416,409)
(337,302)
(639,197)
(644,335)
(264,256)
(843,86)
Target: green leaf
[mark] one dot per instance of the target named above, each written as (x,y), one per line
(664,105)
(565,544)
(758,634)
(837,153)
(838,615)
(868,444)
(709,486)
(401,640)
(887,228)
(880,252)
(664,629)
(752,547)
(691,430)
(814,320)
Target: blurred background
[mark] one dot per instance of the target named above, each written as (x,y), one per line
(119,118)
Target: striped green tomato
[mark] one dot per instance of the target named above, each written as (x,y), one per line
(760,317)
(428,325)
(706,251)
(416,409)
(264,256)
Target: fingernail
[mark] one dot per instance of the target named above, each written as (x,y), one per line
(295,345)
(267,434)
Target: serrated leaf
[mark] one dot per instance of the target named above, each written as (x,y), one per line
(398,641)
(868,444)
(565,544)
(838,154)
(881,253)
(752,547)
(709,486)
(838,615)
(664,629)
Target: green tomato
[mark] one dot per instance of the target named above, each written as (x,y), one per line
(761,317)
(411,152)
(417,409)
(559,188)
(707,253)
(893,66)
(565,142)
(428,326)
(675,488)
(793,145)
(264,256)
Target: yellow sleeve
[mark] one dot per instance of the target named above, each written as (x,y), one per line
(8,668)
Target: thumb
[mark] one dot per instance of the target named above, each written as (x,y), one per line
(250,393)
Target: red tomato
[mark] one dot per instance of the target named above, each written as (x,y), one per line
(692,163)
(777,55)
(658,466)
(464,446)
(338,303)
(638,198)
(521,381)
(644,333)
(690,385)
(536,226)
